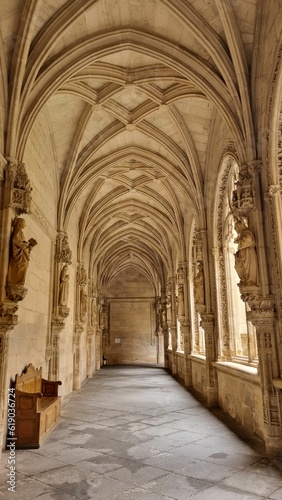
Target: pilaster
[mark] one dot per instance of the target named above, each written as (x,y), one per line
(76,355)
(208,325)
(8,319)
(263,316)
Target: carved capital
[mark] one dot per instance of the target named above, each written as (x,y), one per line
(255,166)
(78,329)
(57,324)
(207,321)
(8,317)
(262,313)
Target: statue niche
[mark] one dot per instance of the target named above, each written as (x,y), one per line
(64,291)
(180,302)
(83,304)
(246,264)
(18,261)
(199,290)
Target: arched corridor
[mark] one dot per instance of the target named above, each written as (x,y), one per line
(141,197)
(134,433)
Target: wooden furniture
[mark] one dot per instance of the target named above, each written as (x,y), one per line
(38,407)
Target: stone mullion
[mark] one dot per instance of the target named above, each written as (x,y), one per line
(207,323)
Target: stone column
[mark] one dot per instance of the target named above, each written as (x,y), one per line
(92,325)
(89,362)
(60,310)
(182,280)
(53,349)
(98,344)
(187,351)
(263,317)
(207,323)
(76,356)
(172,326)
(163,353)
(81,318)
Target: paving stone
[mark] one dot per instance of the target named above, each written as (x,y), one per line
(117,442)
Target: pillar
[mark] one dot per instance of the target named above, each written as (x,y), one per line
(8,320)
(263,317)
(207,323)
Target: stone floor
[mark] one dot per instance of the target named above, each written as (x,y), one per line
(134,433)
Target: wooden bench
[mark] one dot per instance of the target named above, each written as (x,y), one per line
(38,407)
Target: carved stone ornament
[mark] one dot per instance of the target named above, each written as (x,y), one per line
(63,252)
(243,197)
(8,317)
(181,273)
(3,164)
(81,278)
(18,188)
(57,323)
(64,311)
(197,246)
(246,261)
(199,289)
(272,191)
(16,293)
(18,261)
(262,309)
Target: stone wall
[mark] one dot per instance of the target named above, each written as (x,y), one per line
(131,330)
(240,395)
(199,379)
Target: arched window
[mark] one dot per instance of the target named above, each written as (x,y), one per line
(242,333)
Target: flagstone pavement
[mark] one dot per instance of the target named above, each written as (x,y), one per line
(135,433)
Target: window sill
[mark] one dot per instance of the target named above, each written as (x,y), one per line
(197,357)
(242,371)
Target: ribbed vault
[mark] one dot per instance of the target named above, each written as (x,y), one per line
(131,93)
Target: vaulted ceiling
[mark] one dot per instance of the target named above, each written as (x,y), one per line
(132,90)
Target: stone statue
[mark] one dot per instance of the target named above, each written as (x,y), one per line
(93,314)
(64,286)
(180,301)
(199,285)
(168,308)
(19,254)
(246,256)
(83,303)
